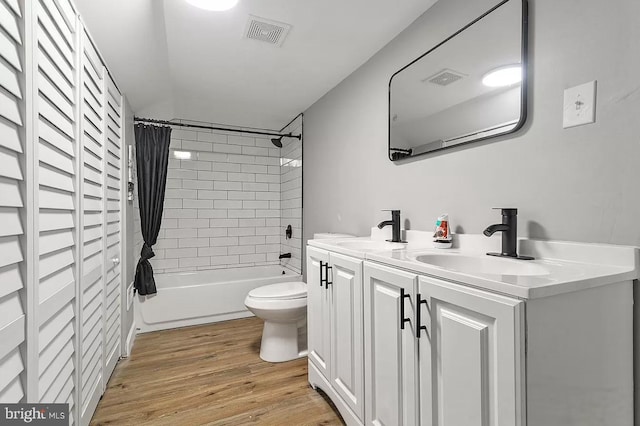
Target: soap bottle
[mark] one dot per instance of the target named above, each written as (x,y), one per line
(442,234)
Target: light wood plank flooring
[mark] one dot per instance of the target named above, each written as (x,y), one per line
(213,375)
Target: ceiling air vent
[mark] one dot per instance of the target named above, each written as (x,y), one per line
(444,77)
(266,30)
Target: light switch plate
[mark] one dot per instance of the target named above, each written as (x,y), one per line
(579,105)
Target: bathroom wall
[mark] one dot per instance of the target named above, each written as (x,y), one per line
(577,184)
(132,239)
(291,195)
(222,206)
(569,184)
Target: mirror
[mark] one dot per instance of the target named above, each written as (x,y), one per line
(470,87)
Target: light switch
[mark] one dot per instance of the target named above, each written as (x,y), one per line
(579,105)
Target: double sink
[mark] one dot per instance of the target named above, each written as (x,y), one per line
(559,267)
(455,261)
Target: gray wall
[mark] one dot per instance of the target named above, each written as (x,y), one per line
(129,257)
(576,184)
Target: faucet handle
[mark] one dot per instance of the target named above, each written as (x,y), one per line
(507,211)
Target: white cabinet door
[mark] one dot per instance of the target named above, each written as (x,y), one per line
(13,203)
(347,367)
(93,232)
(471,356)
(56,147)
(113,195)
(390,351)
(318,311)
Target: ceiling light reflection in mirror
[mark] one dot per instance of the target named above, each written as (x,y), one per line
(504,76)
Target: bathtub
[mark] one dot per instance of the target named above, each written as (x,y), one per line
(192,298)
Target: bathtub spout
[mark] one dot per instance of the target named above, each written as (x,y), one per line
(285,256)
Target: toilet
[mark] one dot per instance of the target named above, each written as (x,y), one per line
(283,308)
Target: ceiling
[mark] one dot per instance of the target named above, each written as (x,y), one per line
(176,61)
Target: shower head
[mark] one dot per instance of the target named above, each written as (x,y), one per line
(277,141)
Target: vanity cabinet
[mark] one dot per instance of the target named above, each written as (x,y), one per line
(436,350)
(393,344)
(471,351)
(335,329)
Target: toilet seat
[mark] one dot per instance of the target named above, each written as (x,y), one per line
(280,291)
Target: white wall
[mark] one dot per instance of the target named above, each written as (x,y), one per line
(131,251)
(575,184)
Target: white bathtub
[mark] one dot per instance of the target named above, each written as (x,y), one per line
(193,298)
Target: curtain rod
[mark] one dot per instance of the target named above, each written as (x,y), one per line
(199,126)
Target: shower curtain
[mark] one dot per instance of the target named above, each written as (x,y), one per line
(152,155)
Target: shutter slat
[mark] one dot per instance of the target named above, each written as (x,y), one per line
(55,158)
(9,22)
(59,280)
(52,241)
(10,223)
(11,367)
(51,263)
(10,136)
(9,107)
(9,80)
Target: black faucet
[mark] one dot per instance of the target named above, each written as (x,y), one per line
(509,229)
(395,226)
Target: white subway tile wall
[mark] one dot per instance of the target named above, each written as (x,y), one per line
(225,205)
(290,203)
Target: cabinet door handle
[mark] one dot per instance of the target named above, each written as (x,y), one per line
(419,326)
(327,283)
(322,265)
(402,318)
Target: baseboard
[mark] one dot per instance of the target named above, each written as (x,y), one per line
(317,380)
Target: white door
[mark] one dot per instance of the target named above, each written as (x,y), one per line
(12,207)
(471,357)
(56,146)
(318,310)
(347,367)
(112,294)
(391,351)
(93,237)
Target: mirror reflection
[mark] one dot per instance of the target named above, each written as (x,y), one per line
(468,88)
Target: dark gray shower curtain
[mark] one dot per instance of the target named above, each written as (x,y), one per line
(152,155)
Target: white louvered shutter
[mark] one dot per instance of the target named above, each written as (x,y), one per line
(93,235)
(12,205)
(55,74)
(113,133)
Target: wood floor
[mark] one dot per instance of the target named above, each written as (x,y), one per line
(212,375)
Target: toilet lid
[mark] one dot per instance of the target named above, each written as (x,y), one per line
(288,290)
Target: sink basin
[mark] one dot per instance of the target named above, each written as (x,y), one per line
(483,264)
(370,245)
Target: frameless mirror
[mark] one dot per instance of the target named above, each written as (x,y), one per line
(471,86)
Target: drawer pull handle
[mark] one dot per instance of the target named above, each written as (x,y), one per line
(402,318)
(419,326)
(322,266)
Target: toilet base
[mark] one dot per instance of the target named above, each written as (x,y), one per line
(280,342)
